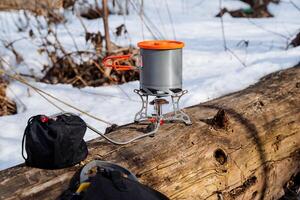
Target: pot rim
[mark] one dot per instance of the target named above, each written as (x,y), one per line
(161,44)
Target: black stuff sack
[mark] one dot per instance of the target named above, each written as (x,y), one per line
(108,182)
(54,143)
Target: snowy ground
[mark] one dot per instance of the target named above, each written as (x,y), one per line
(209,71)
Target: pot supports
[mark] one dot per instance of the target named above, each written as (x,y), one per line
(142,114)
(179,115)
(158,118)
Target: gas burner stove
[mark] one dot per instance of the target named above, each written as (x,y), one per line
(158,118)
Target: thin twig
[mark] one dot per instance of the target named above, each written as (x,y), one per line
(267,30)
(222,26)
(295,5)
(171,19)
(226,48)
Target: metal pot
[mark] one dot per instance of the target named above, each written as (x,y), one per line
(161,66)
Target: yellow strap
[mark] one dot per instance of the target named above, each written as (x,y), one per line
(82,187)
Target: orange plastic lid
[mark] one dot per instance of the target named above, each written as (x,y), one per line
(161,44)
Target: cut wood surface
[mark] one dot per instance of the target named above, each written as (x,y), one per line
(245,145)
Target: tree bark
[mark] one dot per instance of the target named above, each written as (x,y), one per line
(248,150)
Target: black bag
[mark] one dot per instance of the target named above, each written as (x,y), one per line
(109,183)
(53,143)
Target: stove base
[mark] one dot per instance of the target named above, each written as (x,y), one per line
(158,118)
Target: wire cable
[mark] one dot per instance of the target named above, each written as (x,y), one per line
(40,92)
(123,142)
(109,139)
(44,94)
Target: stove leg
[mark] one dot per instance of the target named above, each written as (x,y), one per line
(179,115)
(142,114)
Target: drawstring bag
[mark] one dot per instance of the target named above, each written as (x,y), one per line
(54,143)
(108,182)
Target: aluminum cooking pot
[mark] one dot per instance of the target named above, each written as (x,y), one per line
(160,65)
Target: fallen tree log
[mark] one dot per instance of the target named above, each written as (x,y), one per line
(248,150)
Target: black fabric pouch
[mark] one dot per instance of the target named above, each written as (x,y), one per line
(108,184)
(113,185)
(54,143)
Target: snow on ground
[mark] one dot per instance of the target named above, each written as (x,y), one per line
(209,71)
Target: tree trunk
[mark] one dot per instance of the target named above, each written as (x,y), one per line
(248,150)
(107,70)
(106,27)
